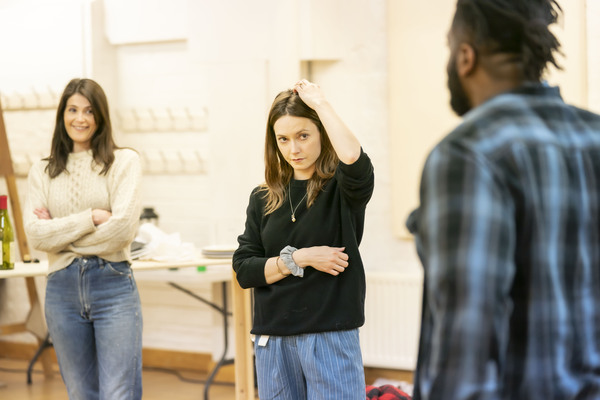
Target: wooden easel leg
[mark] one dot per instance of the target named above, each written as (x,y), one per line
(7,171)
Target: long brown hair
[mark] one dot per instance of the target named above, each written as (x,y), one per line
(278,172)
(102,143)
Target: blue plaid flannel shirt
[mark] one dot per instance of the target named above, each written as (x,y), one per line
(508,232)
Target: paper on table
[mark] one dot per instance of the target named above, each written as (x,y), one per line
(160,246)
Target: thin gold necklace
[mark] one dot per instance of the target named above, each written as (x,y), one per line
(297,205)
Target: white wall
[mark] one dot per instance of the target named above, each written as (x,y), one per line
(216,66)
(593,65)
(224,70)
(222,63)
(419,99)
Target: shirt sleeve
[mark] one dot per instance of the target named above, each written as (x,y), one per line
(249,259)
(356,180)
(51,235)
(120,229)
(465,236)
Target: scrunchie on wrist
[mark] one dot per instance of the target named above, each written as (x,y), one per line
(286,257)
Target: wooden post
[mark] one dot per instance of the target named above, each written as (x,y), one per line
(6,170)
(244,353)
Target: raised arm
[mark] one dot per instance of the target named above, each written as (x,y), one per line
(345,144)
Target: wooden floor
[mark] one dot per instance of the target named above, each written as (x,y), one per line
(158,384)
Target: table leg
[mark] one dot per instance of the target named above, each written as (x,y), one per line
(35,323)
(45,344)
(222,361)
(225,314)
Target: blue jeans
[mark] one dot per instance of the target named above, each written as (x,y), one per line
(315,366)
(94,319)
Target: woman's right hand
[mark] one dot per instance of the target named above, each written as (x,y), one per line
(331,260)
(42,213)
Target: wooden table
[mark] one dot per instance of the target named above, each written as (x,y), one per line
(34,317)
(217,270)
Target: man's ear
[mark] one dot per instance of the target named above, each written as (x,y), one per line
(466,60)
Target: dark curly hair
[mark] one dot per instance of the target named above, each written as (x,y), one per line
(517,27)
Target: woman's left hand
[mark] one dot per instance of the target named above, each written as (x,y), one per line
(331,260)
(100,216)
(310,93)
(346,145)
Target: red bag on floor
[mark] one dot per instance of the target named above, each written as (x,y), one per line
(386,392)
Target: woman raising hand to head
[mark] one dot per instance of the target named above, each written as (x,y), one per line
(299,251)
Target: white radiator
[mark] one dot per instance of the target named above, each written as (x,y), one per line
(390,336)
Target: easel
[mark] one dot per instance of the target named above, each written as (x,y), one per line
(6,170)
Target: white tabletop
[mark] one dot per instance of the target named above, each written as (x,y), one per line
(204,270)
(216,269)
(25,270)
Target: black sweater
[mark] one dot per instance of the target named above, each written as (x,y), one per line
(318,302)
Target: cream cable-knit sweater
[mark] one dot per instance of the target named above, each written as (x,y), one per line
(70,198)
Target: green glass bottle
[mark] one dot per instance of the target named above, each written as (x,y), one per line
(7,259)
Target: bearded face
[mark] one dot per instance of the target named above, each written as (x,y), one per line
(459,101)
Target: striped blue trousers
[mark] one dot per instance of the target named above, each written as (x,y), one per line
(316,366)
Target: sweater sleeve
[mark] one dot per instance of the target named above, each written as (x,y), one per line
(120,229)
(249,259)
(51,235)
(356,180)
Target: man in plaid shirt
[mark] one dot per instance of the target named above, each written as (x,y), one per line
(508,227)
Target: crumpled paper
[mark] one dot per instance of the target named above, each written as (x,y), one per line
(161,246)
